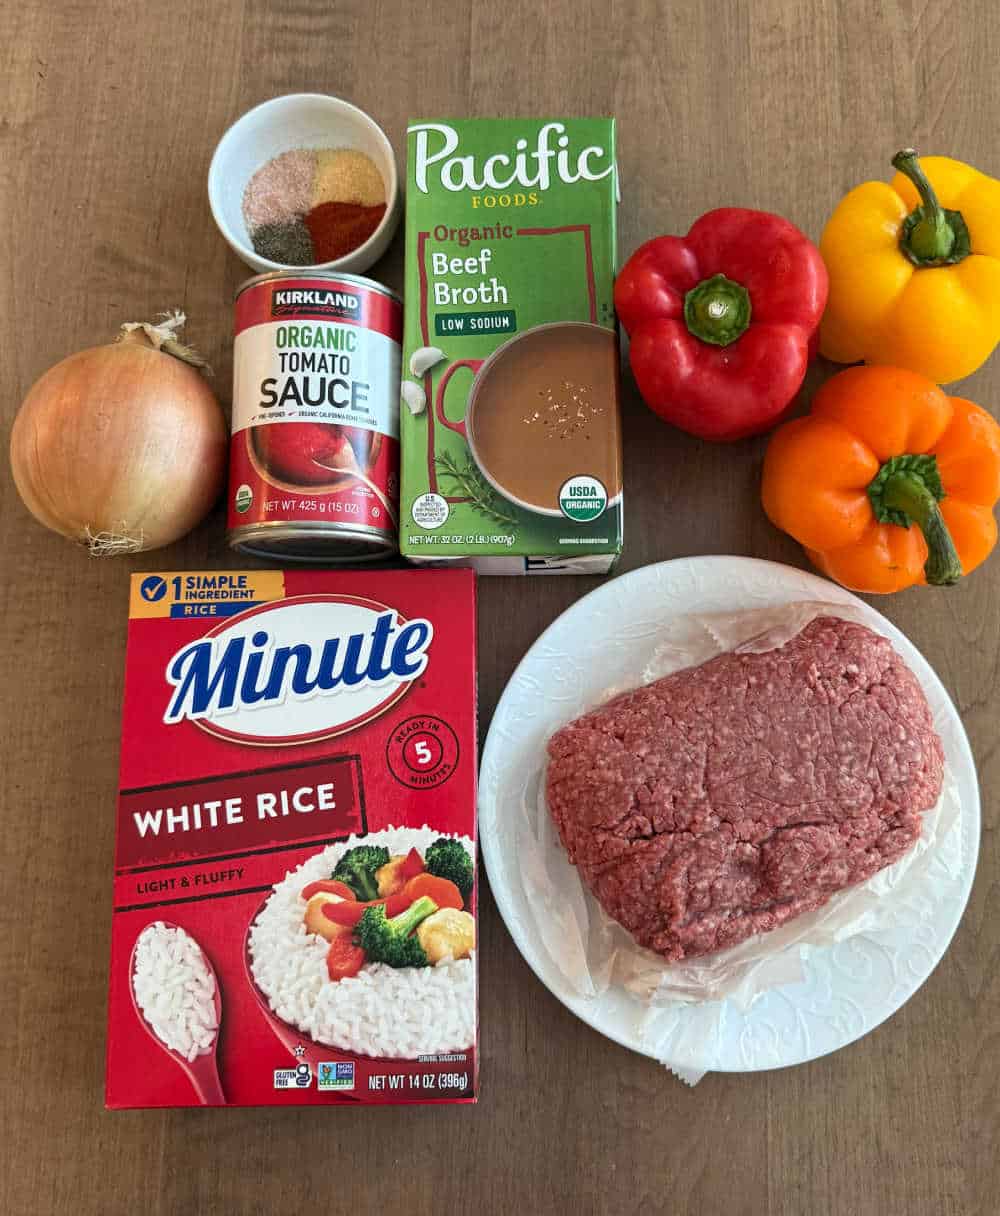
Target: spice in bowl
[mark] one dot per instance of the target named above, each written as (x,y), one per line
(336,228)
(309,206)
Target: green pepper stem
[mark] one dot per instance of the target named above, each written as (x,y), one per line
(908,493)
(931,238)
(717,310)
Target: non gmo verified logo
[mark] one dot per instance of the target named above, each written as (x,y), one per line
(335,1074)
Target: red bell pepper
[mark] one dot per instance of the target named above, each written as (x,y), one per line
(330,886)
(347,913)
(412,866)
(723,322)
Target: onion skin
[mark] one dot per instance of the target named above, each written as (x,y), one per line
(122,441)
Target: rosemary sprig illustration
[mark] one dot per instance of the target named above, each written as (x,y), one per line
(468,480)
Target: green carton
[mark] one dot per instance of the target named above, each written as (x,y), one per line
(510,422)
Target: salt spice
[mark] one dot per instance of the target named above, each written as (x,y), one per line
(281,189)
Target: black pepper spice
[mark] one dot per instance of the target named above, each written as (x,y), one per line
(288,242)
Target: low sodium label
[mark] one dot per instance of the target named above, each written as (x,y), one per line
(447,323)
(582,499)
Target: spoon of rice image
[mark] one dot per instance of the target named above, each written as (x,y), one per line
(176,996)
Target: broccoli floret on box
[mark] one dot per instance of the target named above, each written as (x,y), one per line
(448,859)
(387,940)
(357,868)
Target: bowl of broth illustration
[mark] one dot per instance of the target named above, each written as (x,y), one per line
(542,412)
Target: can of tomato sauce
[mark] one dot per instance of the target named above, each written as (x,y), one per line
(314,460)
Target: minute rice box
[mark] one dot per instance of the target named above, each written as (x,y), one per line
(294,892)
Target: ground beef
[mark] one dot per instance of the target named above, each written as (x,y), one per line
(729,798)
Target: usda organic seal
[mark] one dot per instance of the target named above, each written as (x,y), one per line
(582,499)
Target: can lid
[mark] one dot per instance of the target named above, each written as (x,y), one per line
(324,276)
(321,543)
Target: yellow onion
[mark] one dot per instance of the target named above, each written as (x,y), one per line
(122,447)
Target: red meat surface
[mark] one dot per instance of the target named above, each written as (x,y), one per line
(726,799)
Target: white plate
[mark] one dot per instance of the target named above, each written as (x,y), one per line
(849,988)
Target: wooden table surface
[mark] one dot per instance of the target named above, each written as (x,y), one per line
(108,119)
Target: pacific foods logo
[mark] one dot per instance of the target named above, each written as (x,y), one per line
(436,145)
(297,670)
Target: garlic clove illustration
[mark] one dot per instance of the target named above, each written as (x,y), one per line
(412,396)
(424,358)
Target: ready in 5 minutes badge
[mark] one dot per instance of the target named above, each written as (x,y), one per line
(422,752)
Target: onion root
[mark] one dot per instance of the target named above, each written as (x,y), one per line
(111,544)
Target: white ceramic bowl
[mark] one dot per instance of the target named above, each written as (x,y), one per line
(298,120)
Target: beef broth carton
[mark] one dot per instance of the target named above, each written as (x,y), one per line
(510,422)
(294,888)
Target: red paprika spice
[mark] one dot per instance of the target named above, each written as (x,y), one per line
(337,228)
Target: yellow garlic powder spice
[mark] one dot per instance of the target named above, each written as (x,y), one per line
(344,175)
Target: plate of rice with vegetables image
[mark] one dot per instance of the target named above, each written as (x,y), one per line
(369,946)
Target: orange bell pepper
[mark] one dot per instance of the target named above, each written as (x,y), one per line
(442,890)
(887,482)
(915,270)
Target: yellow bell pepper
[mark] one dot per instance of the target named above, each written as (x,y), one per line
(915,270)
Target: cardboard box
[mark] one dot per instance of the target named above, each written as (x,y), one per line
(510,423)
(272,721)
